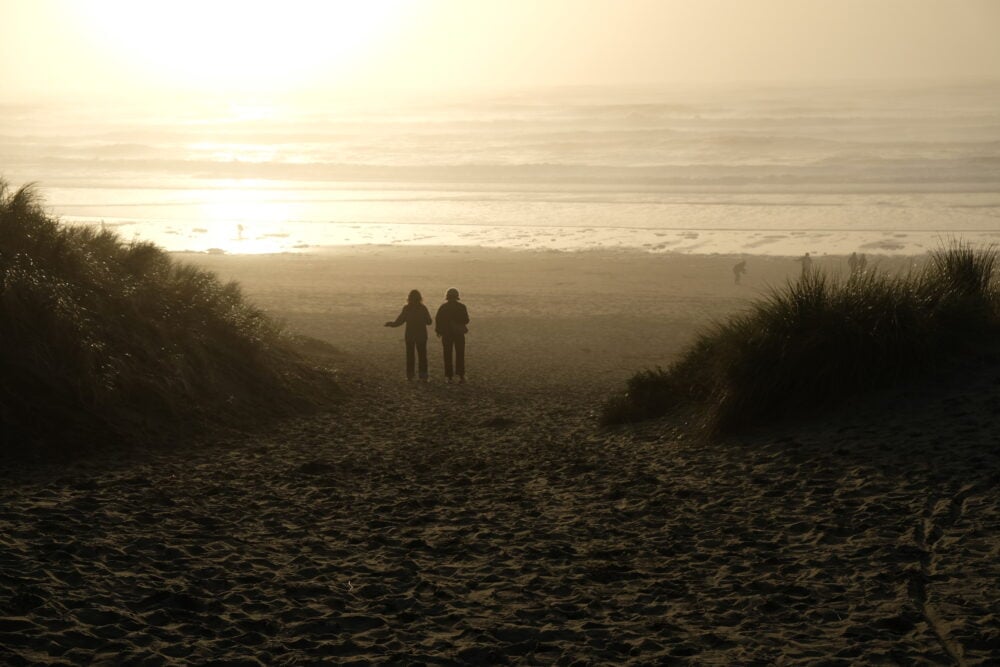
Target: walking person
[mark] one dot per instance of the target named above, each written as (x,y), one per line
(807,263)
(416,317)
(450,325)
(739,269)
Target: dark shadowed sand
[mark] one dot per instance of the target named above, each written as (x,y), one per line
(494,522)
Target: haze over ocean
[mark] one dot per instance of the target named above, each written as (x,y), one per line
(776,170)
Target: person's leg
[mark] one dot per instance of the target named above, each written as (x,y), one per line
(410,360)
(460,357)
(447,343)
(422,357)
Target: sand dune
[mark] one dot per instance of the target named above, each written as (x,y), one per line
(494,523)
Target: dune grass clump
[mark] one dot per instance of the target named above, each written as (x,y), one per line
(820,340)
(105,339)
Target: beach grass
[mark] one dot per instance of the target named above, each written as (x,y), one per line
(822,339)
(107,339)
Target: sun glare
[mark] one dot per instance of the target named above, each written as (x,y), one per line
(242,220)
(245,45)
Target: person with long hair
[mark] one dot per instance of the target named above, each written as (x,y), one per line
(416,317)
(451,327)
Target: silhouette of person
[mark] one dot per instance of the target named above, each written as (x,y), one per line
(807,262)
(450,326)
(739,269)
(416,317)
(852,263)
(862,262)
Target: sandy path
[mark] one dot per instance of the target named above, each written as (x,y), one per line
(441,524)
(494,522)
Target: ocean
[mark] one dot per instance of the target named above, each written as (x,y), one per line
(766,170)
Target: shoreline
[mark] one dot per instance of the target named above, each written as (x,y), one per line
(618,252)
(772,242)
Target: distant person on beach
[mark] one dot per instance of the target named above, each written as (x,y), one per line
(807,263)
(416,317)
(450,325)
(852,263)
(862,262)
(739,270)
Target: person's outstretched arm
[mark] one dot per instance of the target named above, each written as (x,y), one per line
(399,320)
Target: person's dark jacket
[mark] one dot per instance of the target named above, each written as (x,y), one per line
(416,317)
(452,318)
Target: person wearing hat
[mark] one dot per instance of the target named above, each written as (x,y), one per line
(416,317)
(450,326)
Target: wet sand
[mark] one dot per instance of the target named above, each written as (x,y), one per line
(494,522)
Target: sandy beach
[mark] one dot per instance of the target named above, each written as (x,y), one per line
(495,522)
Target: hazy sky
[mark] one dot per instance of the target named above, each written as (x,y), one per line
(83,47)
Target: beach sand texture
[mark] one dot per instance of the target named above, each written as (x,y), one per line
(494,522)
